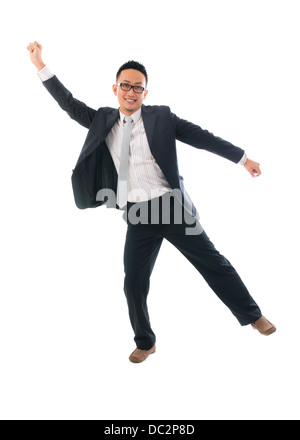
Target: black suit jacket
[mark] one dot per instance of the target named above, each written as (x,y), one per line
(95,169)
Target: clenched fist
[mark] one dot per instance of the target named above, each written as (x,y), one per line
(35,51)
(252,167)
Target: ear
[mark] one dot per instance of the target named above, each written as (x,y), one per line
(145,93)
(115,89)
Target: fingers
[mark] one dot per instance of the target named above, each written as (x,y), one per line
(255,172)
(32,46)
(253,167)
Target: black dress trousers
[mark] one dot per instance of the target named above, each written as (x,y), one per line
(142,245)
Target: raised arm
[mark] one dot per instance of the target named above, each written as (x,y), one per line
(76,109)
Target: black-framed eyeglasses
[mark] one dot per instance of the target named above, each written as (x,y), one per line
(126,87)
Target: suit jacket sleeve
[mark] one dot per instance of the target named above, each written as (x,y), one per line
(197,137)
(76,109)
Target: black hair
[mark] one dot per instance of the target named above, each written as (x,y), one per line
(133,65)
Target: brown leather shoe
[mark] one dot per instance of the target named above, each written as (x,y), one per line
(141,355)
(264,326)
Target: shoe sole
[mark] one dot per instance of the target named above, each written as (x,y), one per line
(265,333)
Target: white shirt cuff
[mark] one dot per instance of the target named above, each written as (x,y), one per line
(243,160)
(45,74)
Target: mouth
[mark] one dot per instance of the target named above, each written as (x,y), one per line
(130,101)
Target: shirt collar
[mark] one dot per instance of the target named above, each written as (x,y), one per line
(135,116)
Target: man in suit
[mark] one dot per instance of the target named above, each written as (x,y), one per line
(139,142)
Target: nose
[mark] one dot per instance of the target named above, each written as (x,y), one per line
(131,93)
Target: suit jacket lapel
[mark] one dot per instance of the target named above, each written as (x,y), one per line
(111,119)
(149,117)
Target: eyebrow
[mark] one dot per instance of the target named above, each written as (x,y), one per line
(126,80)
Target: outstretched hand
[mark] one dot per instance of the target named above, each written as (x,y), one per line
(252,167)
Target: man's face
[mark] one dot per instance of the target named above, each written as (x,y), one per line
(130,101)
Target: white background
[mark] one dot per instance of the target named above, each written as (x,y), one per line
(65,337)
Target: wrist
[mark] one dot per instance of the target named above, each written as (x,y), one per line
(39,65)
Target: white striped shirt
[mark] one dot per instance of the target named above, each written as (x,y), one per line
(45,73)
(145,178)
